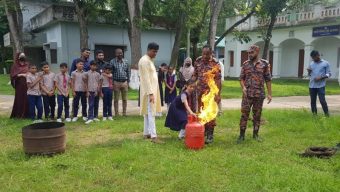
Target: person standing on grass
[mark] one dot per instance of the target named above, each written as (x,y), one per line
(170,86)
(180,108)
(318,71)
(161,77)
(203,64)
(107,88)
(85,57)
(150,101)
(34,84)
(78,90)
(48,89)
(121,79)
(93,89)
(18,76)
(62,83)
(254,73)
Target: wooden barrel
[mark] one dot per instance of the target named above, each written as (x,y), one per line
(46,138)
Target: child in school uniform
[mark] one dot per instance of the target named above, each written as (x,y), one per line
(180,108)
(79,91)
(48,91)
(107,90)
(170,86)
(33,80)
(93,87)
(62,81)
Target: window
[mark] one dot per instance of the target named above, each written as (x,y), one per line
(231,58)
(53,53)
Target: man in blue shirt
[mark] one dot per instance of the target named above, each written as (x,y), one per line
(318,71)
(85,56)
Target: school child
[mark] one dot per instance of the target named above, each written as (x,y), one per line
(107,90)
(170,86)
(93,87)
(62,81)
(48,89)
(78,90)
(33,80)
(180,108)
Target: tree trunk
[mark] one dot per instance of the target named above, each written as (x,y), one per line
(215,8)
(196,32)
(268,36)
(177,42)
(234,26)
(135,15)
(83,22)
(14,17)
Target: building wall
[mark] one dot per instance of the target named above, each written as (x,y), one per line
(30,8)
(67,37)
(286,43)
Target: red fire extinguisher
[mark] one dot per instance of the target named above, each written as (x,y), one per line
(194,133)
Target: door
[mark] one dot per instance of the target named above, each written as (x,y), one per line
(301,62)
(244,57)
(271,61)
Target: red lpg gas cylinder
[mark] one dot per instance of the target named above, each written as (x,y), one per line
(194,133)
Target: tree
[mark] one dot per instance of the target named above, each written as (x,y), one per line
(231,28)
(215,8)
(269,11)
(135,8)
(86,9)
(15,22)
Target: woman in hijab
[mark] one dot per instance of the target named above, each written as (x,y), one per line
(185,72)
(18,81)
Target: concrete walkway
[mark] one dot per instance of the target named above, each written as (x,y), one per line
(293,102)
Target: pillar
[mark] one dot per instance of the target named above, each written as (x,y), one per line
(277,51)
(307,59)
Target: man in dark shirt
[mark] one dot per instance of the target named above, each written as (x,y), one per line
(254,73)
(121,78)
(85,55)
(101,63)
(203,65)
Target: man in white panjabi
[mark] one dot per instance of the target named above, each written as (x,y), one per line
(150,102)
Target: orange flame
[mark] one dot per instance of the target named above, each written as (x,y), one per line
(209,108)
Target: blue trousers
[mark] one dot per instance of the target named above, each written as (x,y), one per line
(49,106)
(93,105)
(80,95)
(107,101)
(34,101)
(63,102)
(313,92)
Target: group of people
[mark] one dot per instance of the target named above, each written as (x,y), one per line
(87,81)
(90,80)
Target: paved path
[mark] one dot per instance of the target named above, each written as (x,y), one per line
(293,102)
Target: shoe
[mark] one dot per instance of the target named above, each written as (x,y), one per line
(256,136)
(210,136)
(68,119)
(96,119)
(104,118)
(35,121)
(156,140)
(85,118)
(88,121)
(39,121)
(110,118)
(75,119)
(181,134)
(147,136)
(59,120)
(241,137)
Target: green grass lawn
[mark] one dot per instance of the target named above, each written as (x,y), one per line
(112,156)
(231,88)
